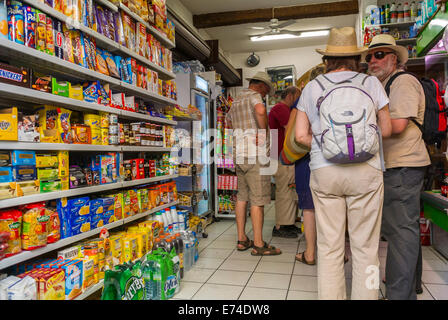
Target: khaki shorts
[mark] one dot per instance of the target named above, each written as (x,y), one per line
(252,186)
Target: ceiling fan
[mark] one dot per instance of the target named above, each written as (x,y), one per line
(275,28)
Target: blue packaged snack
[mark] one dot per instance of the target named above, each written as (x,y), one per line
(16,31)
(6,174)
(97,222)
(103,95)
(80,228)
(23,158)
(90,57)
(109,216)
(96,207)
(90,91)
(132,77)
(70,209)
(111,65)
(24,173)
(29,15)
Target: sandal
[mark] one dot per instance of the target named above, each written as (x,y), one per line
(265,250)
(246,244)
(303,260)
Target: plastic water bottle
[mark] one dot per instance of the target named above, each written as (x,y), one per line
(175,219)
(406,12)
(155,285)
(187,251)
(413,11)
(180,244)
(181,220)
(165,220)
(400,13)
(158,217)
(393,13)
(195,247)
(168,218)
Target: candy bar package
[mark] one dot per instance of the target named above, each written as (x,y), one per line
(58,39)
(68,47)
(141,39)
(90,91)
(111,65)
(102,25)
(50,37)
(78,50)
(89,17)
(119,33)
(90,56)
(110,22)
(76,10)
(41,82)
(15,76)
(15,21)
(128,31)
(101,64)
(41,31)
(104,94)
(30,26)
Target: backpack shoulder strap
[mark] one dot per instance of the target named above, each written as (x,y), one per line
(389,83)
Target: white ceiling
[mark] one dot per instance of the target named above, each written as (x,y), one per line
(234,39)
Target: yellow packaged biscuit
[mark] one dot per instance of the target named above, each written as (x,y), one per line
(116,248)
(34,226)
(88,272)
(48,124)
(63,163)
(130,248)
(9,122)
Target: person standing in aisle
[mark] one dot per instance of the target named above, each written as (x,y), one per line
(248,119)
(349,193)
(406,159)
(285,196)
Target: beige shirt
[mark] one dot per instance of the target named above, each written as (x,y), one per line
(242,116)
(406,100)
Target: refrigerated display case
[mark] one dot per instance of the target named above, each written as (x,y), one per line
(195,90)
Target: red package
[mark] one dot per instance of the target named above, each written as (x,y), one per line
(11,223)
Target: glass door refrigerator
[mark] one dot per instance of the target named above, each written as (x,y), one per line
(195,90)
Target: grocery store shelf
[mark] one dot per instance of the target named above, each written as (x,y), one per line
(144,149)
(397,24)
(12,202)
(406,40)
(132,183)
(225,215)
(135,115)
(91,290)
(145,94)
(160,36)
(108,4)
(26,255)
(15,145)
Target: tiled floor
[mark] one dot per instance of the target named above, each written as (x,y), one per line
(223,273)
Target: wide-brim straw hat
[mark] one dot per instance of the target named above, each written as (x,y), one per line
(387,41)
(342,43)
(265,78)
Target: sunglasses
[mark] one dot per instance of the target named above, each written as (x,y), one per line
(379,55)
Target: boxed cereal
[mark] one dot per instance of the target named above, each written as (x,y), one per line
(8,124)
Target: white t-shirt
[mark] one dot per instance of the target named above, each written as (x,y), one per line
(307,103)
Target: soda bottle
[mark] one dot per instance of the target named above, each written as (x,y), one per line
(393,13)
(180,244)
(406,12)
(400,13)
(158,244)
(444,187)
(168,245)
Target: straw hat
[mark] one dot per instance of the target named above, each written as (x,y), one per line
(387,41)
(265,78)
(342,43)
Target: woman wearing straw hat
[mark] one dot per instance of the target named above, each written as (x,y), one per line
(349,193)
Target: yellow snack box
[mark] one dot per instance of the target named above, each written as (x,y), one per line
(130,248)
(63,163)
(92,120)
(89,272)
(47,160)
(64,183)
(116,248)
(48,124)
(75,91)
(8,124)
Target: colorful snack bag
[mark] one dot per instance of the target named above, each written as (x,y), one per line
(68,48)
(41,31)
(58,39)
(30,26)
(64,125)
(102,26)
(50,37)
(141,39)
(54,226)
(128,31)
(57,5)
(15,21)
(34,226)
(111,65)
(49,3)
(78,50)
(3,20)
(101,63)
(11,223)
(91,62)
(119,32)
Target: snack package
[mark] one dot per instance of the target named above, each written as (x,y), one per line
(41,31)
(101,63)
(78,48)
(90,91)
(103,94)
(11,223)
(90,57)
(89,17)
(48,124)
(25,289)
(119,32)
(57,5)
(68,47)
(128,30)
(54,226)
(29,15)
(3,20)
(34,226)
(50,37)
(102,25)
(64,125)
(49,3)
(111,65)
(111,26)
(141,39)
(58,39)
(82,134)
(15,21)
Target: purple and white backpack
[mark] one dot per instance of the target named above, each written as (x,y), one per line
(349,131)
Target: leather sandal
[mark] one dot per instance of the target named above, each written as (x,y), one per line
(303,259)
(246,244)
(265,250)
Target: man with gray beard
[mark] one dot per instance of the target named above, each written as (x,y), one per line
(405,158)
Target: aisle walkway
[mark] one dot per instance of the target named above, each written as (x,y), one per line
(223,273)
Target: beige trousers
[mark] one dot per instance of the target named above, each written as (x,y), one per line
(285,197)
(351,194)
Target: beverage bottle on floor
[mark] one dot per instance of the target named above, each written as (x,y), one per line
(180,245)
(173,212)
(195,248)
(158,244)
(187,251)
(181,220)
(154,285)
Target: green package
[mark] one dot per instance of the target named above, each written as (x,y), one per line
(50,186)
(123,283)
(61,88)
(47,173)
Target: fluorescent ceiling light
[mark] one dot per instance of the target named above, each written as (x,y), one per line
(273,37)
(305,34)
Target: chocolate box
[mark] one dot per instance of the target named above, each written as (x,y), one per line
(13,75)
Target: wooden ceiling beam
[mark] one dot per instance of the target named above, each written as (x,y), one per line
(219,19)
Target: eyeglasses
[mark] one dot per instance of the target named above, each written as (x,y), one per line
(379,55)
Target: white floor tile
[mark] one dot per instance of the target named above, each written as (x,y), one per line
(301,295)
(435,265)
(439,292)
(425,295)
(275,267)
(243,255)
(215,253)
(209,263)
(238,265)
(187,290)
(435,277)
(303,283)
(429,255)
(305,270)
(284,257)
(221,244)
(250,293)
(291,248)
(237,278)
(228,237)
(269,280)
(288,241)
(218,292)
(198,275)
